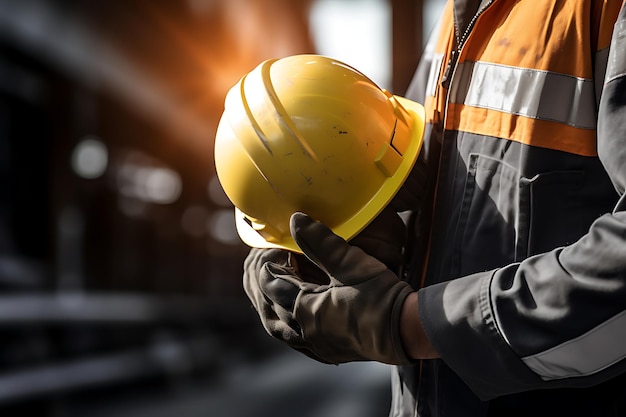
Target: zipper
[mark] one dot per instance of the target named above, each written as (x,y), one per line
(445,83)
(460,41)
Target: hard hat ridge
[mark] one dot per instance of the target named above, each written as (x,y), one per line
(309,133)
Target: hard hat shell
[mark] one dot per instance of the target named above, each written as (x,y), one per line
(309,133)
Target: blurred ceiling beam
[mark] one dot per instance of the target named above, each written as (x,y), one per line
(41,29)
(172,357)
(121,308)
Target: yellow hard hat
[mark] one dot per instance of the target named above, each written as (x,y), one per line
(309,133)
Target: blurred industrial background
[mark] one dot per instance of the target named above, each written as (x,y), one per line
(120,268)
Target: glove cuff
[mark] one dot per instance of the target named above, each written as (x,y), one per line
(401,356)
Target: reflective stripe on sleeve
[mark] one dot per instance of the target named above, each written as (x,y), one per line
(616,66)
(590,353)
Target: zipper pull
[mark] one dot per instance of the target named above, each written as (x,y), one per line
(447,74)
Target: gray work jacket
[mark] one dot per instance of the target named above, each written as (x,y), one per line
(520,261)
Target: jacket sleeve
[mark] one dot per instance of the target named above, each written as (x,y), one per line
(570,301)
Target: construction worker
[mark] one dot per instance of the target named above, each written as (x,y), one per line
(510,298)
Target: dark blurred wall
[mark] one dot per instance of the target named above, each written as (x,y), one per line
(147,80)
(115,239)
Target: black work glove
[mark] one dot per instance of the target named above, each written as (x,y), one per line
(343,306)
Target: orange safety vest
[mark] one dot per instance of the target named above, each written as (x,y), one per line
(512,78)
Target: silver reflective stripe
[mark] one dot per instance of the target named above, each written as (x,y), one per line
(526,92)
(433,75)
(616,66)
(590,353)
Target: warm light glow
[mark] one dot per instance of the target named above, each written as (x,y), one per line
(90,158)
(357,33)
(161,185)
(221,226)
(144,179)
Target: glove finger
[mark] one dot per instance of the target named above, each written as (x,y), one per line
(283,331)
(277,320)
(280,285)
(257,257)
(348,264)
(251,276)
(271,316)
(254,269)
(256,273)
(270,284)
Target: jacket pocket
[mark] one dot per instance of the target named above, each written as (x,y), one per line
(486,235)
(504,218)
(551,206)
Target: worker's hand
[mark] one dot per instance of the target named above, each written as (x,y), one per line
(348,312)
(384,237)
(260,268)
